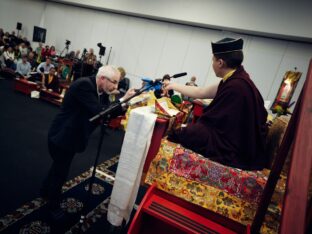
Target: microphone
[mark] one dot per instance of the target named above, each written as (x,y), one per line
(149,81)
(179,75)
(154,84)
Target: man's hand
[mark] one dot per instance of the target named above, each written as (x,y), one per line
(128,94)
(115,92)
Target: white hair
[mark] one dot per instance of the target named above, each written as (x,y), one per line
(107,71)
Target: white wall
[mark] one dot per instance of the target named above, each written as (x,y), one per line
(276,18)
(28,12)
(149,48)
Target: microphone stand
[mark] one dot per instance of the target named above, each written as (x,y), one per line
(110,50)
(105,114)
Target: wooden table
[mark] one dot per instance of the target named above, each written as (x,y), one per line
(25,86)
(52,97)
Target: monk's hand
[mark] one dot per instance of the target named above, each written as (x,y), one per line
(169,86)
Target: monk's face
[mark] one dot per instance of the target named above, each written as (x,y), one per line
(217,66)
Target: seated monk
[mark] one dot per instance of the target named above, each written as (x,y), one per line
(232,129)
(50,81)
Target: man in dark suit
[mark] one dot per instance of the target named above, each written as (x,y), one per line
(70,130)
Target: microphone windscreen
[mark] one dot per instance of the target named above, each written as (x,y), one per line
(179,75)
(147,80)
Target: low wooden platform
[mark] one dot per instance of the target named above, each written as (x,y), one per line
(52,97)
(25,86)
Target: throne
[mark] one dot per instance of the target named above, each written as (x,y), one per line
(191,194)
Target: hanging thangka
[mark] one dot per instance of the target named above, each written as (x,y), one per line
(285,92)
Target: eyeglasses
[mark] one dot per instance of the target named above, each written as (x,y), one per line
(112,81)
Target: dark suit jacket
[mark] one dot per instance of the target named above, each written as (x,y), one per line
(71,128)
(123,86)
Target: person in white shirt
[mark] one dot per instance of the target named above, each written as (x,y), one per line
(23,67)
(9,58)
(45,66)
(23,49)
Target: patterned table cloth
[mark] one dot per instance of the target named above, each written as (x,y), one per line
(231,192)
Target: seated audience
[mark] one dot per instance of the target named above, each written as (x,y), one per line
(23,49)
(91,57)
(38,52)
(32,61)
(124,82)
(45,52)
(23,67)
(2,62)
(65,72)
(89,63)
(45,65)
(192,82)
(52,52)
(1,33)
(9,57)
(6,38)
(50,81)
(77,55)
(70,55)
(17,53)
(232,129)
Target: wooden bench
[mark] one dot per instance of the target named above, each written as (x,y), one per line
(25,86)
(52,97)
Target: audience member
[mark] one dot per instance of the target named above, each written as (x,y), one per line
(1,33)
(77,55)
(232,129)
(32,61)
(124,82)
(45,52)
(50,81)
(45,66)
(89,63)
(189,83)
(52,52)
(23,67)
(6,38)
(9,57)
(2,61)
(91,57)
(23,49)
(192,81)
(17,53)
(38,52)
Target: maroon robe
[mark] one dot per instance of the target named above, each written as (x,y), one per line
(232,129)
(54,85)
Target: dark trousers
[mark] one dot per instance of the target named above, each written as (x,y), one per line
(52,185)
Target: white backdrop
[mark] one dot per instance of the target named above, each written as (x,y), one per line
(150,48)
(281,18)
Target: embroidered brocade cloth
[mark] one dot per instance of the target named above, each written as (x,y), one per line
(228,191)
